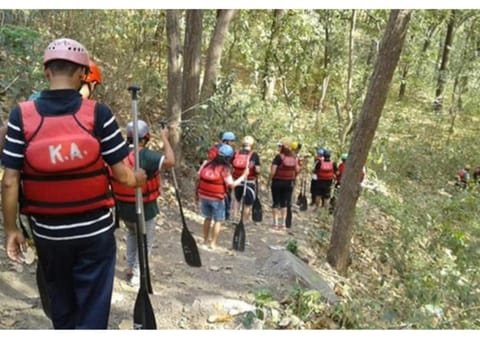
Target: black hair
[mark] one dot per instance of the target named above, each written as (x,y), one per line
(63,67)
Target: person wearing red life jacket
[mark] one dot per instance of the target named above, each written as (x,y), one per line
(313,182)
(93,79)
(55,152)
(214,179)
(242,158)
(283,172)
(153,162)
(325,173)
(340,169)
(463,177)
(227,138)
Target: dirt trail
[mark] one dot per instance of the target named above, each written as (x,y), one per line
(181,292)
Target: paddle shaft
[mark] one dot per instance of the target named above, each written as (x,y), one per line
(141,229)
(177,195)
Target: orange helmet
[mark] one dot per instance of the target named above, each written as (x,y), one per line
(94,75)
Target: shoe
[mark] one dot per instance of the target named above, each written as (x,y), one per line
(134,281)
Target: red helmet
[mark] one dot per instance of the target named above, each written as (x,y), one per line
(66,49)
(94,75)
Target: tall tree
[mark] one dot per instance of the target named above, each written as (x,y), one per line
(192,62)
(268,76)
(174,85)
(214,55)
(389,53)
(442,72)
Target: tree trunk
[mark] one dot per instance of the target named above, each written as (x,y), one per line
(191,66)
(214,54)
(268,77)
(389,53)
(174,85)
(326,75)
(442,73)
(403,83)
(348,104)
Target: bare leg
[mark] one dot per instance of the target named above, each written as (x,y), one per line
(283,216)
(275,218)
(216,233)
(206,229)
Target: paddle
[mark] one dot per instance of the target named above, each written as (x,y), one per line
(143,316)
(303,201)
(189,246)
(257,214)
(40,276)
(239,234)
(288,220)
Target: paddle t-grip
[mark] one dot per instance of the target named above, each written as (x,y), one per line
(134,89)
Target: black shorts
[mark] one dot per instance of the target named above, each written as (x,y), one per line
(281,193)
(323,188)
(249,195)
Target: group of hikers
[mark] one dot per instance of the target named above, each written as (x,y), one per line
(465,176)
(229,178)
(71,172)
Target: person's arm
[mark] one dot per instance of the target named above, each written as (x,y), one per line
(126,176)
(3,133)
(14,239)
(169,157)
(233,183)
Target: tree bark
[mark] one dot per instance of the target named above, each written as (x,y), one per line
(389,53)
(192,63)
(215,50)
(174,85)
(268,76)
(345,129)
(442,72)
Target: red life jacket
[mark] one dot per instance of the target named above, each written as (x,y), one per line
(213,151)
(240,162)
(341,168)
(287,170)
(150,190)
(325,171)
(64,172)
(211,183)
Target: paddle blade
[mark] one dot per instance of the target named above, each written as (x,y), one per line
(143,315)
(42,290)
(257,214)
(299,198)
(239,237)
(303,203)
(288,221)
(190,250)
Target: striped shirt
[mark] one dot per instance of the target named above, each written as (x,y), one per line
(113,150)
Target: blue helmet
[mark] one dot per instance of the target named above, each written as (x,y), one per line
(320,152)
(228,136)
(225,150)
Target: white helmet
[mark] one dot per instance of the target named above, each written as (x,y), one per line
(143,130)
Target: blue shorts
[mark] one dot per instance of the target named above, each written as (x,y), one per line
(213,209)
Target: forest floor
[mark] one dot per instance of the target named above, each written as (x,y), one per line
(185,297)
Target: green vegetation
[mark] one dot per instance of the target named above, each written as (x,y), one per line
(417,239)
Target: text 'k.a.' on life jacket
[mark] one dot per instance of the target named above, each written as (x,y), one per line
(240,162)
(325,171)
(211,183)
(287,170)
(64,172)
(150,190)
